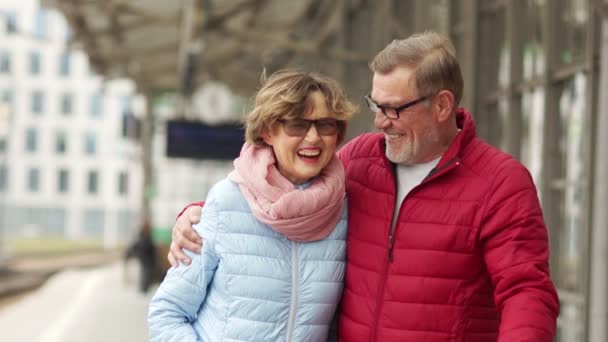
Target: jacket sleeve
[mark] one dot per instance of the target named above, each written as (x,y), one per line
(515,248)
(179,298)
(200,204)
(343,156)
(344,153)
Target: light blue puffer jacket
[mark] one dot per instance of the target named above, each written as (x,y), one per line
(249,283)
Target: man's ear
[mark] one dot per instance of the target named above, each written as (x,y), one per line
(444,104)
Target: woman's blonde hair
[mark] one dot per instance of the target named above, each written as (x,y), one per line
(285,96)
(433,58)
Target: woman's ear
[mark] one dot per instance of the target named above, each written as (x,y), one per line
(266,136)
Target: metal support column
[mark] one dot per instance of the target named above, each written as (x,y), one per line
(189,48)
(490,39)
(552,170)
(421,11)
(147,134)
(515,36)
(468,51)
(598,304)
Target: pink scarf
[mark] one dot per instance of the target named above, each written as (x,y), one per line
(300,214)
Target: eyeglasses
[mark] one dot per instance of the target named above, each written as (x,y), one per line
(392,112)
(300,127)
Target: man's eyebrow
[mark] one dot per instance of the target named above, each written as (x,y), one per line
(376,102)
(384,104)
(387,104)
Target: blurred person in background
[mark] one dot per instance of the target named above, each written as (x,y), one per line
(144,251)
(272,265)
(446,238)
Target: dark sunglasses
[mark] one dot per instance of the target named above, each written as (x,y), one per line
(392,112)
(300,127)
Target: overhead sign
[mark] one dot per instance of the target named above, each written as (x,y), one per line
(196,140)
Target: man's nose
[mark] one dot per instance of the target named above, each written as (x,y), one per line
(381,121)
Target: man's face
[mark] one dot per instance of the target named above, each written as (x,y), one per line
(414,137)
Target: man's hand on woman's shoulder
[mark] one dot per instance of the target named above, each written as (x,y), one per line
(184,236)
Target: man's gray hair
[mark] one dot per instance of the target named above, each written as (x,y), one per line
(433,58)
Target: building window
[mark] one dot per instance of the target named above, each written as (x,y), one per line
(41,23)
(37,105)
(35,63)
(31,140)
(68,34)
(126,102)
(96,104)
(2,145)
(61,142)
(10,20)
(127,220)
(65,63)
(131,127)
(93,223)
(90,144)
(67,101)
(3,178)
(92,182)
(123,183)
(7,99)
(33,180)
(5,62)
(63,181)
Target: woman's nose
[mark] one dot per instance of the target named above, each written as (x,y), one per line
(312,134)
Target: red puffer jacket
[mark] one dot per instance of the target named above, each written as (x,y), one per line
(469,257)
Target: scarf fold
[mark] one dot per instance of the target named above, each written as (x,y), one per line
(308,214)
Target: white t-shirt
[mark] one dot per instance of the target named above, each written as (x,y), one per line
(407,178)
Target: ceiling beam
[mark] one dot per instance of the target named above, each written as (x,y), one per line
(264,40)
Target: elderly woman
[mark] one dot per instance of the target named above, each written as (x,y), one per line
(272,265)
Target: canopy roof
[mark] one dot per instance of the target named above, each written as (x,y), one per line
(168,45)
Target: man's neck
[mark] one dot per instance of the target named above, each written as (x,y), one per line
(445,143)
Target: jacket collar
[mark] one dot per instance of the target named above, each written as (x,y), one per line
(464,121)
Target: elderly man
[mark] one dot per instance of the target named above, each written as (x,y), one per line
(446,237)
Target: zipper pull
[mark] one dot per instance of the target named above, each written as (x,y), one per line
(390,248)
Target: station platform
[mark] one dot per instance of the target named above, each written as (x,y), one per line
(24,273)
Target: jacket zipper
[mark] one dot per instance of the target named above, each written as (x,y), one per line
(379,300)
(294,290)
(435,172)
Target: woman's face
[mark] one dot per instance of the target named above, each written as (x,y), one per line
(300,158)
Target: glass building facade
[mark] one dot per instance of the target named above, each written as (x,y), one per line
(532,82)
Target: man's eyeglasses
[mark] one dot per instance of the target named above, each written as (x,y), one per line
(300,127)
(392,112)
